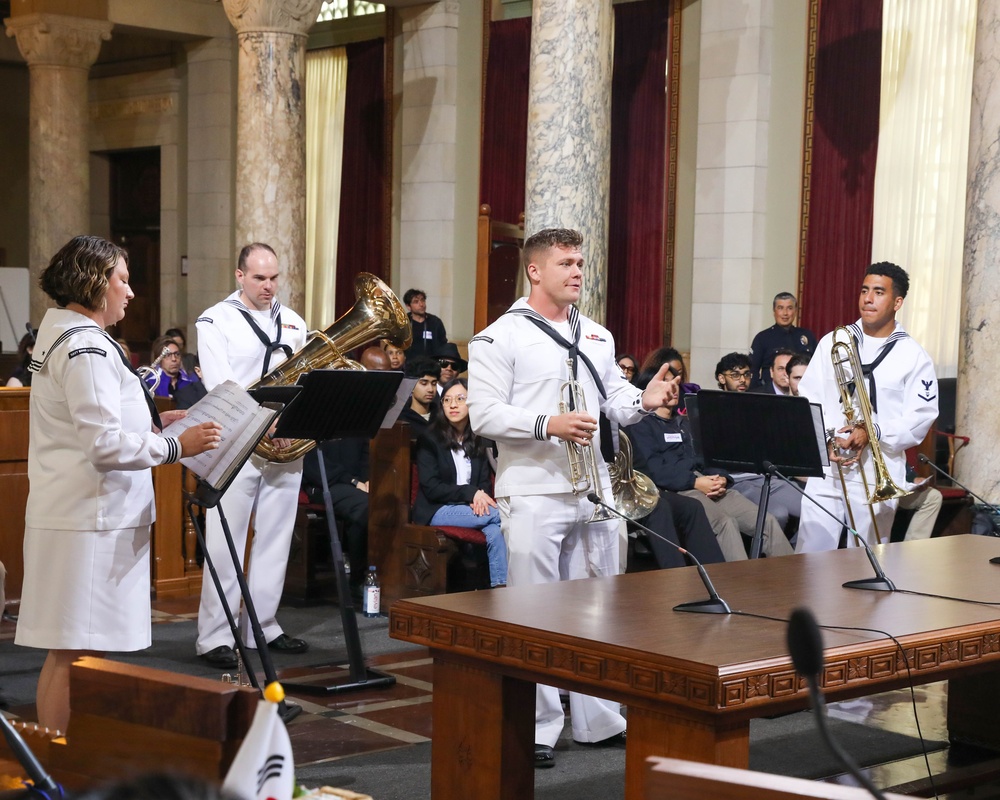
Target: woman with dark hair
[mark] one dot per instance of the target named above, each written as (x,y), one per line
(21,376)
(456,480)
(628,365)
(92,444)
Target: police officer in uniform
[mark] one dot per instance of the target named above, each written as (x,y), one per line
(783,335)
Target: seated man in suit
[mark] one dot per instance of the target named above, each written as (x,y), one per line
(663,451)
(777,380)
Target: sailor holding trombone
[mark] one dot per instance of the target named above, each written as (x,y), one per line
(871,418)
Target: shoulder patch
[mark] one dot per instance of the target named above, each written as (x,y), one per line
(481,338)
(205,319)
(97,351)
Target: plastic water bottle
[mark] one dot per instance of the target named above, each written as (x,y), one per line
(373,591)
(347,569)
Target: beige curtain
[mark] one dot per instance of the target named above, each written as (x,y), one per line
(920,176)
(326,83)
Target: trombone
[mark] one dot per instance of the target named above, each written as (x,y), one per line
(849,374)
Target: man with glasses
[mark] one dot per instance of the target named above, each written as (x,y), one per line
(732,373)
(168,376)
(451,362)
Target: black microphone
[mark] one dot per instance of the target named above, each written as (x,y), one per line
(881,582)
(925,460)
(805,645)
(41,779)
(715,604)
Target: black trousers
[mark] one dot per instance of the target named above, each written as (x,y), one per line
(683,521)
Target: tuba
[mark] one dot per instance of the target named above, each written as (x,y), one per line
(377,314)
(857,407)
(635,495)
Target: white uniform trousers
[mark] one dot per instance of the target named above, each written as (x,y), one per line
(549,540)
(818,531)
(270,492)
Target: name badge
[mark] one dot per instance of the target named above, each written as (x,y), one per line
(428,334)
(673,437)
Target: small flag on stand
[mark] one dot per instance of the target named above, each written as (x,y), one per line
(263,768)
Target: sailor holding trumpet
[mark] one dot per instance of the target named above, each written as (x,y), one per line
(892,406)
(519,371)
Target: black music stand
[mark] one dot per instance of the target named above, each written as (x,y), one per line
(335,404)
(747,432)
(207,496)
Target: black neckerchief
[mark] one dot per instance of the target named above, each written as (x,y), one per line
(269,346)
(867,371)
(572,347)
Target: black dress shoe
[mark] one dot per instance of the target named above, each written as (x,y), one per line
(286,644)
(222,657)
(545,756)
(618,740)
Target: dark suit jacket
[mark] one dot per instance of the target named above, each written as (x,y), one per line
(436,471)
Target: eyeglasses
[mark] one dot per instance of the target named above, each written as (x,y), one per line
(733,375)
(627,370)
(448,364)
(457,400)
(172,354)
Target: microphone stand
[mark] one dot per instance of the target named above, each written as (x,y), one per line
(881,582)
(925,460)
(714,604)
(43,782)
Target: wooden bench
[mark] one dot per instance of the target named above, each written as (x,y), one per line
(414,560)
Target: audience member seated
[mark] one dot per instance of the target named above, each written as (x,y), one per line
(676,361)
(777,379)
(375,357)
(663,451)
(346,464)
(169,376)
(732,373)
(21,376)
(456,482)
(628,365)
(178,336)
(397,356)
(424,400)
(684,522)
(190,393)
(783,501)
(428,331)
(783,335)
(451,362)
(925,502)
(796,368)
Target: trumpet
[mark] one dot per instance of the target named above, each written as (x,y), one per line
(635,495)
(849,374)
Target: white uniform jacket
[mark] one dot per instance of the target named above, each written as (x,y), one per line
(91,443)
(515,374)
(228,348)
(907,393)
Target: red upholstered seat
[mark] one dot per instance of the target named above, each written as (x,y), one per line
(468,535)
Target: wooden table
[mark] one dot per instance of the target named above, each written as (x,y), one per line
(693,682)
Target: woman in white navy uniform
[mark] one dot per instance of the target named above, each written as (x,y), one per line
(90,500)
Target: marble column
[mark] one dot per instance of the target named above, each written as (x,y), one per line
(979,342)
(569,131)
(271,135)
(59,51)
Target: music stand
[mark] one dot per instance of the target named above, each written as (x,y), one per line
(208,496)
(743,432)
(335,404)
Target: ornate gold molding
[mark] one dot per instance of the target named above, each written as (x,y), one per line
(807,140)
(58,41)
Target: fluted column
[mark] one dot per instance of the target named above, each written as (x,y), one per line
(569,131)
(271,133)
(979,343)
(60,51)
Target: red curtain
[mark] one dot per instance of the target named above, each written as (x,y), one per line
(363,231)
(637,191)
(844,148)
(505,119)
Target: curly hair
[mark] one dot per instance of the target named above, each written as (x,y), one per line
(549,237)
(80,271)
(900,280)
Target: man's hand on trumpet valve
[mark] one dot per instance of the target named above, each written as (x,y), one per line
(846,447)
(573,426)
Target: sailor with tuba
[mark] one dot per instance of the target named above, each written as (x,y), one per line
(242,338)
(543,353)
(899,387)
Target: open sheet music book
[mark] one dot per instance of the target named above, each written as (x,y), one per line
(244,421)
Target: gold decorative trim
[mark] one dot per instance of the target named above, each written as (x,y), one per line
(807,141)
(389,66)
(670,204)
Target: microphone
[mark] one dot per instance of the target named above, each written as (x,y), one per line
(881,582)
(715,604)
(42,780)
(925,460)
(805,645)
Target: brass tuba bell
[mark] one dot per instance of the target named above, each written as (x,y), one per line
(377,314)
